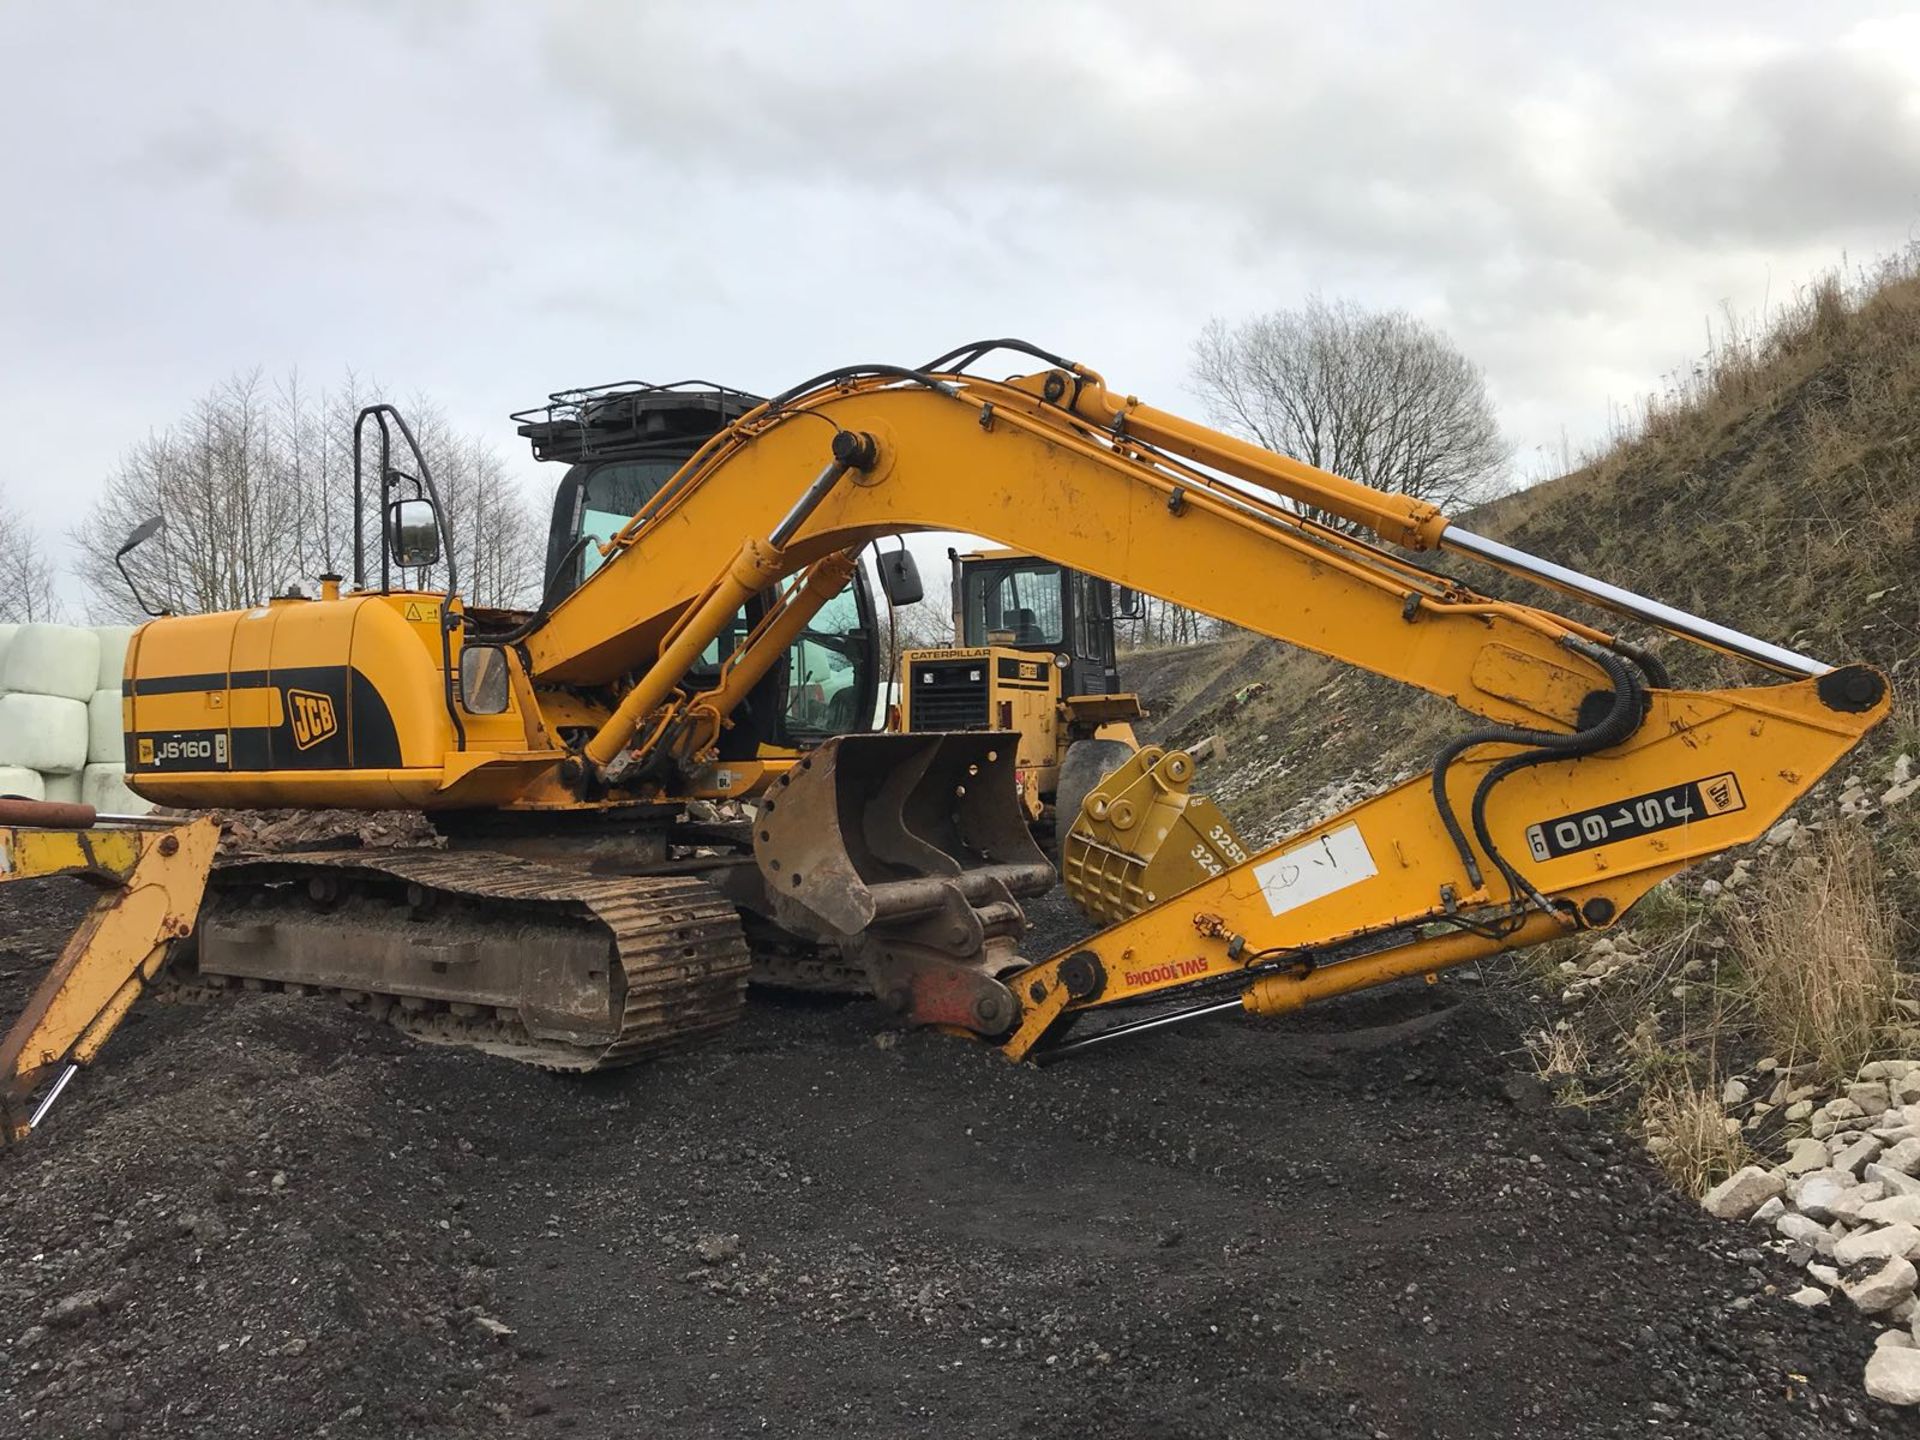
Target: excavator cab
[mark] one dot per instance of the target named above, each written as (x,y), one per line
(1021,602)
(621,444)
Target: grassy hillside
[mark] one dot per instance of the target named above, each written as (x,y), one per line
(1778,489)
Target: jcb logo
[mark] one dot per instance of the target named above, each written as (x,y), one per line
(313,718)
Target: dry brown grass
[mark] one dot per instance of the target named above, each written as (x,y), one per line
(1817,956)
(1690,1135)
(1560,1053)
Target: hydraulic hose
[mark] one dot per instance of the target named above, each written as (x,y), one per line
(1620,721)
(972,354)
(548,599)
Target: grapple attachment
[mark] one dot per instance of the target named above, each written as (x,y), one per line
(1142,837)
(911,853)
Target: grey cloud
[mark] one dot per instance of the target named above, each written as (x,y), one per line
(489,198)
(1792,148)
(280,177)
(1293,152)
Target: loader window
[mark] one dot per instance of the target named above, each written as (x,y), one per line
(612,494)
(824,682)
(1022,599)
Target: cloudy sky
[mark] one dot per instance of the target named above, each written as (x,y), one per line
(487,201)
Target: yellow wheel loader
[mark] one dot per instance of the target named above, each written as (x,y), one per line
(1035,657)
(1033,654)
(586,911)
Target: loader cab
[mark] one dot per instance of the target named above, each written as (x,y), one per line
(1021,602)
(621,445)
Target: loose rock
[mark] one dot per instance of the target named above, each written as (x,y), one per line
(1873,1244)
(1809,1232)
(1877,1285)
(1894,1210)
(1743,1192)
(1805,1156)
(1893,1375)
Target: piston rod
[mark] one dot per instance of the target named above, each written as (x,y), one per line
(1134,1027)
(1707,632)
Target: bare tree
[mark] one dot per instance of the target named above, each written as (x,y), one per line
(27,591)
(1378,397)
(256,486)
(1161,623)
(498,543)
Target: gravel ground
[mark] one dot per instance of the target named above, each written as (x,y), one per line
(265,1216)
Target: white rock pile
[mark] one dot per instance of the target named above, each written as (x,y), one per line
(1845,1204)
(60,726)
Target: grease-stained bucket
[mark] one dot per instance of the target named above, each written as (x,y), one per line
(884,829)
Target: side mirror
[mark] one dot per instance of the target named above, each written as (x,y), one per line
(413,533)
(485,687)
(1129,605)
(142,533)
(900,578)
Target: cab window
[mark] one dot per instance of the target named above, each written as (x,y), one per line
(824,682)
(1021,600)
(611,496)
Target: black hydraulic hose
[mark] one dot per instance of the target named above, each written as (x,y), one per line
(1648,662)
(1622,716)
(1620,721)
(857,372)
(973,353)
(548,599)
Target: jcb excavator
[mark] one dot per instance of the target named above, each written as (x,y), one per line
(578,918)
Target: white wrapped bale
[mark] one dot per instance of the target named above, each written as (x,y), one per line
(106,742)
(63,788)
(6,639)
(43,732)
(104,787)
(61,660)
(19,783)
(113,655)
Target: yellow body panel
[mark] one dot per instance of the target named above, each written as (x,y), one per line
(315,703)
(1022,694)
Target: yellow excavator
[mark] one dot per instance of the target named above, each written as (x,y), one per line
(585,911)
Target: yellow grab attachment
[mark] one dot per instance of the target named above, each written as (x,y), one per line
(1142,837)
(157,877)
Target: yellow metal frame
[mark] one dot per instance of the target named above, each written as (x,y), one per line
(156,879)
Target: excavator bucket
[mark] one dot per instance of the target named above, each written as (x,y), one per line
(1142,837)
(911,853)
